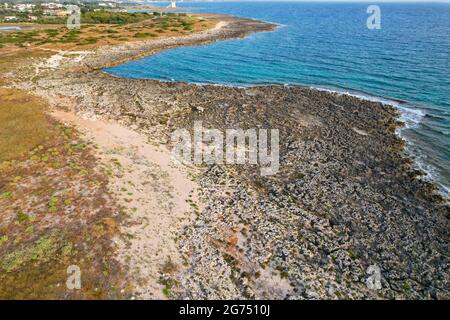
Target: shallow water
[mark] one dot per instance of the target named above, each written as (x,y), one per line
(329,46)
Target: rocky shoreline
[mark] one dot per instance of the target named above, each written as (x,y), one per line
(345,197)
(228,27)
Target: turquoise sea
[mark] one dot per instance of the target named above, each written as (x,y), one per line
(328,46)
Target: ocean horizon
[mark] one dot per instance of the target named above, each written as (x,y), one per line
(328,46)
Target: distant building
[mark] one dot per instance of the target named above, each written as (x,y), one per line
(49,12)
(52,5)
(24,7)
(172,4)
(62,13)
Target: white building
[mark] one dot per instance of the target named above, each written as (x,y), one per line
(24,7)
(52,5)
(172,4)
(49,12)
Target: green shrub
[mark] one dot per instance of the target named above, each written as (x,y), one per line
(105,17)
(144,35)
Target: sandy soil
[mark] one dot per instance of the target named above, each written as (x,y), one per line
(154,190)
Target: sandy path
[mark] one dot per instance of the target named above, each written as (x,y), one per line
(153,191)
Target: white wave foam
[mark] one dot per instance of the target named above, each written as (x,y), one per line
(409,115)
(431,175)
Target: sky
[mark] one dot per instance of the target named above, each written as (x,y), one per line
(362,1)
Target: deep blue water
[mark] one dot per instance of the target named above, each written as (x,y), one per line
(328,45)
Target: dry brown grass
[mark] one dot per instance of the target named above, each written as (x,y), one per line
(55,207)
(56,211)
(16,63)
(23,123)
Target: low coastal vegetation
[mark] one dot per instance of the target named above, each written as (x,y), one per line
(102,27)
(23,123)
(102,17)
(56,211)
